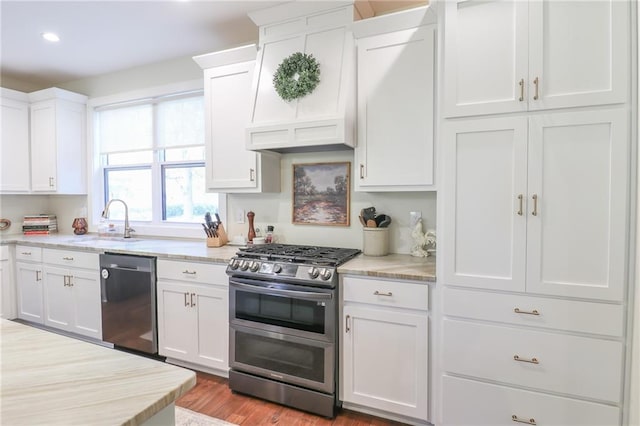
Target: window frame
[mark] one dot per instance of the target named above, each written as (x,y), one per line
(96,197)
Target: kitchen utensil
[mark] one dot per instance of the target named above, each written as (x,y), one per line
(384,223)
(207,230)
(371,223)
(208,220)
(218,218)
(252,231)
(368,213)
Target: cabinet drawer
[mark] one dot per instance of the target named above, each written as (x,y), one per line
(75,259)
(33,254)
(467,402)
(398,294)
(581,366)
(569,315)
(205,273)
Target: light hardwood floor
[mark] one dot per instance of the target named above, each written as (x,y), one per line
(211,396)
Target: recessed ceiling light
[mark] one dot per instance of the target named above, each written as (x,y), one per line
(50,37)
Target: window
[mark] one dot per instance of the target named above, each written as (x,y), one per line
(151,155)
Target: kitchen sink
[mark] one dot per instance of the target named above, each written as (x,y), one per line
(100,240)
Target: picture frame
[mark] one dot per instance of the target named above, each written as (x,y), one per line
(322,194)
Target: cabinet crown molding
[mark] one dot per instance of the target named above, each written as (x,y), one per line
(56,93)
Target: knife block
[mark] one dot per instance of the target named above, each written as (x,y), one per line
(220,240)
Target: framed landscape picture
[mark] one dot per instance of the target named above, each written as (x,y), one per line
(321,193)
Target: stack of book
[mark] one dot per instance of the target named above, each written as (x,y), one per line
(40,224)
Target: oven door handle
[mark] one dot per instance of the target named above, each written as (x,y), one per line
(308,295)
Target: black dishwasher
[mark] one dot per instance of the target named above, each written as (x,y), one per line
(128,292)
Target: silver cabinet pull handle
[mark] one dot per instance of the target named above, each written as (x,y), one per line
(252,175)
(25,253)
(521,84)
(64,280)
(536,83)
(38,276)
(379,293)
(346,324)
(186,302)
(67,258)
(530,361)
(188,272)
(535,205)
(533,312)
(520,199)
(192,302)
(527,421)
(361,171)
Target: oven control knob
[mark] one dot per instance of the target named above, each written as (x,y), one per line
(325,274)
(234,263)
(254,266)
(244,265)
(314,272)
(277,268)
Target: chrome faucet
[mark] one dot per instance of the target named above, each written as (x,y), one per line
(105,214)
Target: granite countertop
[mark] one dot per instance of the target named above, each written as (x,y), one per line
(52,379)
(394,266)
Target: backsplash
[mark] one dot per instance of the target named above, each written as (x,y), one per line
(276,210)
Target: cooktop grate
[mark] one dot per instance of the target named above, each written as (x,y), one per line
(333,256)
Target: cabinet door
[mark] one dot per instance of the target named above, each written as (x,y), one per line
(176,321)
(385,360)
(485,185)
(578,52)
(578,170)
(58,298)
(14,151)
(485,57)
(395,110)
(227,97)
(5,310)
(43,146)
(87,308)
(30,292)
(212,327)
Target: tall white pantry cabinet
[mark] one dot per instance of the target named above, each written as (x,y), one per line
(536,205)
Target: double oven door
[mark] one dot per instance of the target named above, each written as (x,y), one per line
(283,332)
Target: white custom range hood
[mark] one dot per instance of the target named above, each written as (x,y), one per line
(324,118)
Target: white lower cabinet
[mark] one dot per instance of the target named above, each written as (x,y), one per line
(29,284)
(72,292)
(543,360)
(193,313)
(384,368)
(468,402)
(7,300)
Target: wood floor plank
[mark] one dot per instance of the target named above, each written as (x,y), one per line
(212,396)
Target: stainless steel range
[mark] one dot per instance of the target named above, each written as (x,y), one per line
(283,314)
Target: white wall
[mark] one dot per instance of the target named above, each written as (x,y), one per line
(65,207)
(276,209)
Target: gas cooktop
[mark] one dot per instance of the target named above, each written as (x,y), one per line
(300,254)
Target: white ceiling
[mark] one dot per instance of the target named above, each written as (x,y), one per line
(103,36)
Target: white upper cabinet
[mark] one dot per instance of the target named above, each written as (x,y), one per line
(230,166)
(505,56)
(58,142)
(538,204)
(14,142)
(395,61)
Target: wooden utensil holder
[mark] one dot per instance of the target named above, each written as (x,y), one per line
(220,240)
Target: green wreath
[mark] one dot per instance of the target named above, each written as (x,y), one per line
(296,76)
